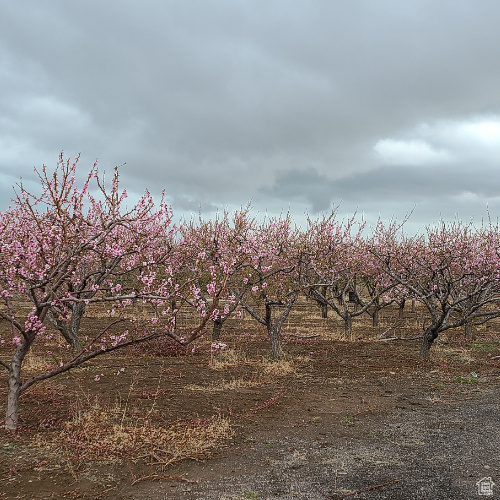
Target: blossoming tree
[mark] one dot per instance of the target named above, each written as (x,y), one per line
(276,276)
(341,267)
(218,255)
(454,271)
(69,247)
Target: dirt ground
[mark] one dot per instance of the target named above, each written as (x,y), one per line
(336,419)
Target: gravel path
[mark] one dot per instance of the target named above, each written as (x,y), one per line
(421,449)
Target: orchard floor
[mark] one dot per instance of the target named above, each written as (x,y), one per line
(361,419)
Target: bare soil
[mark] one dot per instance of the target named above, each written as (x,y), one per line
(336,419)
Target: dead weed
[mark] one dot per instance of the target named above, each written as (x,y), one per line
(110,432)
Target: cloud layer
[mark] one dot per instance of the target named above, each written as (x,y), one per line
(385,106)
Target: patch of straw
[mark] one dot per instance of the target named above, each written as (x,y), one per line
(224,385)
(103,433)
(279,368)
(227,359)
(35,363)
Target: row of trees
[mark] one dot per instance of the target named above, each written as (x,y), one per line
(69,246)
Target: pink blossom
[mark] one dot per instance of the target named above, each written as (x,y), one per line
(218,346)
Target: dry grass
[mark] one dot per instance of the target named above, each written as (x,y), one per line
(224,385)
(452,353)
(279,368)
(227,359)
(302,358)
(110,433)
(36,363)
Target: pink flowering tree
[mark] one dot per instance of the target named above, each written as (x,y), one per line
(377,287)
(217,255)
(276,276)
(341,267)
(454,271)
(72,247)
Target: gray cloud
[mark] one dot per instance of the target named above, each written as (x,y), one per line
(392,183)
(291,105)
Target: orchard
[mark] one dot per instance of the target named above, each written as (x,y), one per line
(72,249)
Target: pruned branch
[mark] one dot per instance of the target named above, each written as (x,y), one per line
(397,324)
(402,338)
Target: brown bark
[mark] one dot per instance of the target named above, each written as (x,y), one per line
(14,385)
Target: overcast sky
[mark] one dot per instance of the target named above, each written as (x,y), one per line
(380,106)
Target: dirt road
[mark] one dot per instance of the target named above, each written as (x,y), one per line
(415,446)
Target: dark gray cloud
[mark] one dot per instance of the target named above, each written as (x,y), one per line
(388,184)
(428,194)
(293,105)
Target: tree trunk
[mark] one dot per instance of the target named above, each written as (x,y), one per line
(430,336)
(74,325)
(274,327)
(324,311)
(269,316)
(14,391)
(70,330)
(217,329)
(375,317)
(402,308)
(14,386)
(273,332)
(324,305)
(348,326)
(468,330)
